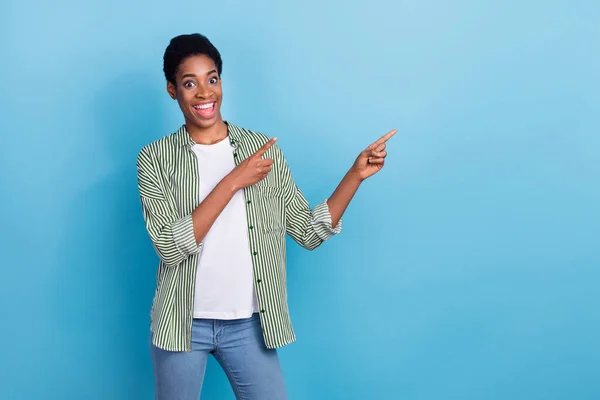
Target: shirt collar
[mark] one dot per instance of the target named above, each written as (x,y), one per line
(235,133)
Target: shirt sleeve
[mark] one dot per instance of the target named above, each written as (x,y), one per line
(308,227)
(172,235)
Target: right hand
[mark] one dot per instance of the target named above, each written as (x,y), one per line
(252,169)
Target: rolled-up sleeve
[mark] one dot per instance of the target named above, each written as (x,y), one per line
(172,235)
(321,221)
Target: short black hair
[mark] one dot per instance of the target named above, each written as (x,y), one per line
(184,46)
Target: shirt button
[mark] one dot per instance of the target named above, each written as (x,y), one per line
(249,202)
(255,253)
(262,311)
(235,154)
(258,281)
(251,227)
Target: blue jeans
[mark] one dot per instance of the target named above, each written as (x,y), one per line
(238,345)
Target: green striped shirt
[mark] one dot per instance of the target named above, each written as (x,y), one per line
(168,181)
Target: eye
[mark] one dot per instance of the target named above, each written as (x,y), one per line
(189,84)
(213,80)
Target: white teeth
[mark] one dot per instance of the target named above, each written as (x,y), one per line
(204,106)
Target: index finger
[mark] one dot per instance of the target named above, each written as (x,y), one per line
(386,137)
(260,152)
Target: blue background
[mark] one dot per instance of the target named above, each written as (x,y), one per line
(468,269)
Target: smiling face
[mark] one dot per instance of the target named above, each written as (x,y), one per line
(198,92)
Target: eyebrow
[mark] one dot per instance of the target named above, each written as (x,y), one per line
(193,75)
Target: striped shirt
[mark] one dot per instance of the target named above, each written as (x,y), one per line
(168,182)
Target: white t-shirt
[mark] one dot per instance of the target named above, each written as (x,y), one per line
(224,279)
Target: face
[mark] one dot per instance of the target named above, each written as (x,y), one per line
(198,91)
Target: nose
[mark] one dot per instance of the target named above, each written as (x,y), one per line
(203,92)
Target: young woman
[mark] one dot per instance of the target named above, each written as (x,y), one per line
(218,201)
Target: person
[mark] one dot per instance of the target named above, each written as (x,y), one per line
(218,201)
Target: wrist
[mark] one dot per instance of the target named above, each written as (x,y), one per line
(354,176)
(229,184)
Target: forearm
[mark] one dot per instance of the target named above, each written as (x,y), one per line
(205,215)
(343,194)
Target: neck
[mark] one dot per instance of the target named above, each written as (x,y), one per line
(211,135)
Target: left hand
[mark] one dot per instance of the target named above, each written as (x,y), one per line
(371,160)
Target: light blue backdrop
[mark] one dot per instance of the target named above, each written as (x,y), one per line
(468,269)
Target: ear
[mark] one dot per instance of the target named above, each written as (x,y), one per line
(171,90)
